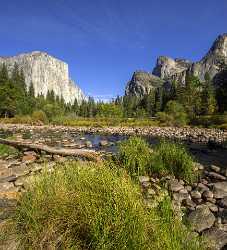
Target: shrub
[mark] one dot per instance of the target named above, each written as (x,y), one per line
(39,115)
(94,207)
(135,154)
(164,118)
(174,114)
(172,158)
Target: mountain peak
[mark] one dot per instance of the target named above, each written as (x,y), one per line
(219,47)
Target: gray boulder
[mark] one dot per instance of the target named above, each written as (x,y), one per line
(216,238)
(202,218)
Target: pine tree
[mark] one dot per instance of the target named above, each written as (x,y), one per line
(190,95)
(159,100)
(75,107)
(4,76)
(209,104)
(31,90)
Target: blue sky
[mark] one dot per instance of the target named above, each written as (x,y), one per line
(105,41)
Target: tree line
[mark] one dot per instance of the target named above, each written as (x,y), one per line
(194,98)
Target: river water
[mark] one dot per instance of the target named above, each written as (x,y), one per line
(203,153)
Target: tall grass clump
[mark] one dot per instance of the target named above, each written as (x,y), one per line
(88,207)
(173,158)
(171,233)
(91,206)
(135,155)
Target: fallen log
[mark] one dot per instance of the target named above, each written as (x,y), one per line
(81,153)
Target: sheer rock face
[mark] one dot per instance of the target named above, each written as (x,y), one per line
(46,73)
(213,60)
(168,70)
(142,83)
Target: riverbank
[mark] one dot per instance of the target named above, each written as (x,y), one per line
(201,202)
(197,135)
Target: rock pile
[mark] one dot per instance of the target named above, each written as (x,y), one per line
(203,203)
(197,135)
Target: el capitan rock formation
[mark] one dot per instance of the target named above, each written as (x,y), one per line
(46,73)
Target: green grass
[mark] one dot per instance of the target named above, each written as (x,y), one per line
(86,122)
(172,234)
(135,155)
(173,158)
(104,122)
(88,206)
(215,121)
(7,150)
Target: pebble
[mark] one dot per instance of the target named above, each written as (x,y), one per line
(175,186)
(196,195)
(189,204)
(207,194)
(216,176)
(188,188)
(212,207)
(215,168)
(144,179)
(223,202)
(103,143)
(202,188)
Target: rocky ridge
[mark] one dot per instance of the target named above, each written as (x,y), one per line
(168,69)
(46,73)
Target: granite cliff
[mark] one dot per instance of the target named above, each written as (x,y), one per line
(168,70)
(46,73)
(142,83)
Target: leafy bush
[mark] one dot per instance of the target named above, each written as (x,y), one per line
(172,158)
(174,114)
(39,116)
(93,207)
(135,154)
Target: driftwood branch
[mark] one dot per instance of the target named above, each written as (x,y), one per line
(82,153)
